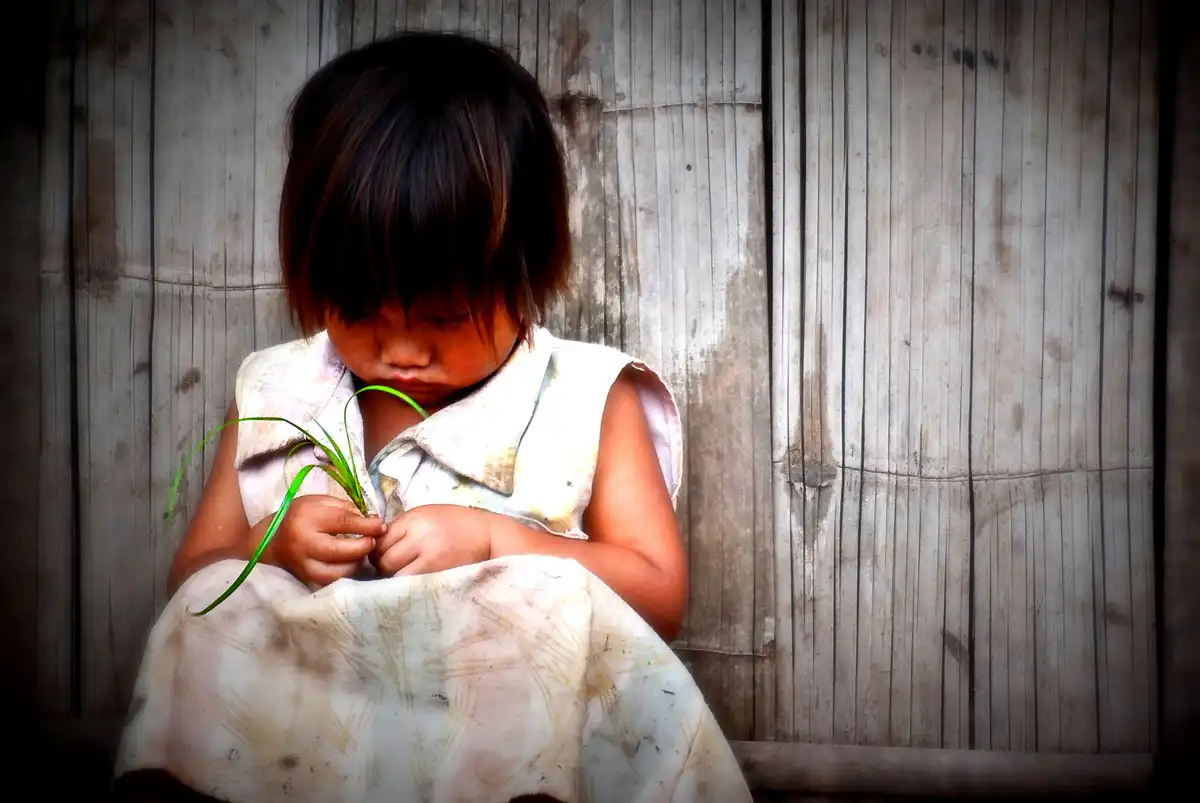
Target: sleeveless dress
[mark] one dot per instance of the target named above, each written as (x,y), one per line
(517,676)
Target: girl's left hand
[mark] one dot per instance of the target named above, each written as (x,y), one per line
(433,538)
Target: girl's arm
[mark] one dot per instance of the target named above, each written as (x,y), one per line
(219,528)
(634,543)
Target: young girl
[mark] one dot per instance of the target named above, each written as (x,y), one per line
(489,630)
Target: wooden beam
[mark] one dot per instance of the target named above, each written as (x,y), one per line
(840,769)
(850,770)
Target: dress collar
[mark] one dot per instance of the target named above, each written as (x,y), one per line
(476,437)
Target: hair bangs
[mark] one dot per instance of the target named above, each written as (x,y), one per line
(411,190)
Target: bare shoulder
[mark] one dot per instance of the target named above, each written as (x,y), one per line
(629,479)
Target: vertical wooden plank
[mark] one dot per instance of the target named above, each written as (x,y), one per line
(285,52)
(603,48)
(953,375)
(579,116)
(723,290)
(327,16)
(26,62)
(899,338)
(706,538)
(1126,708)
(1181,457)
(1090,243)
(56,657)
(1117,704)
(877,546)
(113,311)
(787,112)
(385,22)
(1056,642)
(854,564)
(1143,368)
(291,43)
(746,300)
(1070,367)
(997,347)
(507,16)
(361,22)
(940,347)
(815,474)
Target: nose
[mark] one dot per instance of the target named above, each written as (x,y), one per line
(403,353)
(399,348)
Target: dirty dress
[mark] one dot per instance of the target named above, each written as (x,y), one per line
(520,675)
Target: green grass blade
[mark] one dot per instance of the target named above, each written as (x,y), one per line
(360,499)
(350,484)
(339,478)
(393,392)
(174,493)
(273,528)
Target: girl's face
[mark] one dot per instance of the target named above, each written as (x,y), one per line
(430,354)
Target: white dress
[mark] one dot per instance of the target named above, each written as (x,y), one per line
(521,675)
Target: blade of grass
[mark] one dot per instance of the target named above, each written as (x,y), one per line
(383,389)
(339,478)
(272,528)
(346,468)
(361,500)
(332,471)
(171,498)
(341,471)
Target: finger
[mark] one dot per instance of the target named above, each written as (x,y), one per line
(331,549)
(402,554)
(393,534)
(419,565)
(338,520)
(323,573)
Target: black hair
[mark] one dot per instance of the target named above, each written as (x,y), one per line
(422,167)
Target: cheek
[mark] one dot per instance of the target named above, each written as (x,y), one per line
(355,344)
(471,358)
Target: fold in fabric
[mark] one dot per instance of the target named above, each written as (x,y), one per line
(517,676)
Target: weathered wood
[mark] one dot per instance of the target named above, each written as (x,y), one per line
(786,117)
(113,310)
(927,772)
(870,416)
(22,142)
(811,769)
(961,323)
(1181,472)
(962,369)
(57,657)
(1128,282)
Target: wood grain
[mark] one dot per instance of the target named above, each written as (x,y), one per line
(32,102)
(1181,457)
(962,340)
(916,376)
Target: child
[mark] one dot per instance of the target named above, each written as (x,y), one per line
(522,537)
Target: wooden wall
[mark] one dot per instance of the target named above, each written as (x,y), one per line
(963,295)
(895,256)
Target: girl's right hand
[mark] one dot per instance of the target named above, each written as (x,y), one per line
(308,543)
